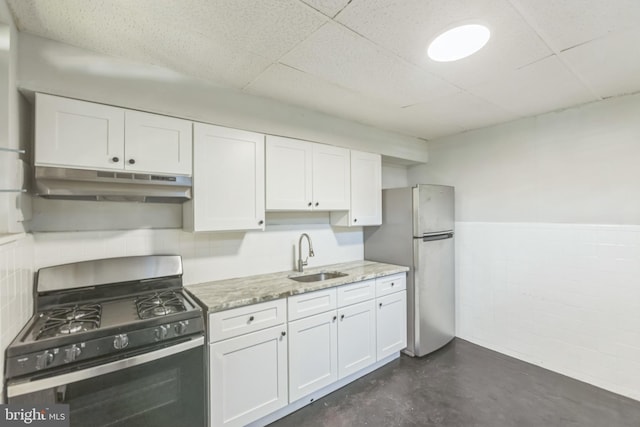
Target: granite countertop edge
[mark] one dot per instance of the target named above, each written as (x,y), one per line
(237,292)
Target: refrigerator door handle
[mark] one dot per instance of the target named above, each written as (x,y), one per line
(436,236)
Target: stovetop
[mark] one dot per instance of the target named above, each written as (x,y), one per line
(97,322)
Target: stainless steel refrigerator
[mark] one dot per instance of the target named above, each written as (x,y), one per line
(418,231)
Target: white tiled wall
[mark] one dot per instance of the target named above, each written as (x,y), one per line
(206,256)
(562,296)
(16,287)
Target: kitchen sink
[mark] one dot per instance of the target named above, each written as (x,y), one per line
(318,277)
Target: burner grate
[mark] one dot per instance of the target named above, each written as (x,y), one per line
(70,320)
(159,304)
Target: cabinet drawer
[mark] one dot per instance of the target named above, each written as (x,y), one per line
(239,321)
(311,303)
(354,293)
(391,284)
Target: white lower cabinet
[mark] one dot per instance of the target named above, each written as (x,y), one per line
(391,331)
(267,356)
(356,337)
(248,377)
(313,354)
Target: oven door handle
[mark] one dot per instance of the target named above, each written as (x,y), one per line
(21,388)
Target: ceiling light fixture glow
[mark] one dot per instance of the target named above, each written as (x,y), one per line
(458,42)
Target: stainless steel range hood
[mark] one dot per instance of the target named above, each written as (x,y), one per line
(82,184)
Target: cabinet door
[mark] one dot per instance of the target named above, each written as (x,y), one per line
(313,354)
(356,337)
(157,144)
(248,377)
(366,188)
(289,174)
(391,324)
(331,178)
(228,180)
(78,134)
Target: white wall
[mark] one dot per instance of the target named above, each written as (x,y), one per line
(211,256)
(394,176)
(548,239)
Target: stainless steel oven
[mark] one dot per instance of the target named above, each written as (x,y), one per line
(123,353)
(160,388)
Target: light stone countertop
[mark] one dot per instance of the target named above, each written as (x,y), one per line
(231,293)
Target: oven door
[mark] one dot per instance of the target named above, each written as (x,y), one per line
(163,387)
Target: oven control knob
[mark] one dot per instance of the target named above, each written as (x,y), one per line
(43,360)
(72,353)
(120,341)
(161,332)
(181,327)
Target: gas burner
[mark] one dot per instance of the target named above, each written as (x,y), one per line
(159,304)
(70,320)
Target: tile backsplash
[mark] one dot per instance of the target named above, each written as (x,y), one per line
(562,296)
(16,290)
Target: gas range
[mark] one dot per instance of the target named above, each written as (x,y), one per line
(98,309)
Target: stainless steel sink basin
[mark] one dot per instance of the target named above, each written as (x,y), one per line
(318,277)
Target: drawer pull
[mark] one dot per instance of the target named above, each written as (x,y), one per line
(251,319)
(283,333)
(342,317)
(380,305)
(392,284)
(335,318)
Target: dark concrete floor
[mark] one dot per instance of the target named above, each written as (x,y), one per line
(464,385)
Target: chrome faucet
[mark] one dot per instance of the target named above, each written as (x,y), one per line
(301,262)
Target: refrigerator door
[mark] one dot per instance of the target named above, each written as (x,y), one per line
(433,207)
(434,292)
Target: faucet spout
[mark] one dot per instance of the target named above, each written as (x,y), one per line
(303,262)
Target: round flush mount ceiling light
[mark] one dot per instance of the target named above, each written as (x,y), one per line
(458,42)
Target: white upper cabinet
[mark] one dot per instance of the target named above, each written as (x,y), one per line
(331,178)
(85,135)
(78,134)
(304,175)
(289,174)
(366,192)
(228,180)
(156,143)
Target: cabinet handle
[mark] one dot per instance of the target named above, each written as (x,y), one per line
(283,333)
(260,222)
(335,318)
(317,204)
(251,319)
(310,204)
(342,317)
(380,305)
(392,284)
(115,159)
(355,219)
(132,162)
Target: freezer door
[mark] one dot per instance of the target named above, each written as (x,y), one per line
(433,207)
(434,293)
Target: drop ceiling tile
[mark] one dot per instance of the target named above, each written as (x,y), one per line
(407,26)
(610,65)
(454,113)
(328,7)
(268,28)
(340,56)
(567,23)
(301,89)
(544,86)
(227,41)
